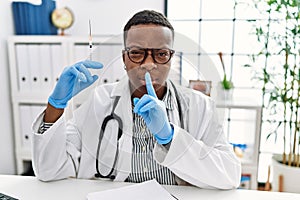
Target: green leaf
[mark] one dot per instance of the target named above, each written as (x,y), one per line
(270,2)
(227,84)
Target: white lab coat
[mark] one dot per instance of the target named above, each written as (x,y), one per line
(199,154)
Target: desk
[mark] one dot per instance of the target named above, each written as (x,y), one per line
(29,188)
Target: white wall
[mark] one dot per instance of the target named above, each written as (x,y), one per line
(7,162)
(107,16)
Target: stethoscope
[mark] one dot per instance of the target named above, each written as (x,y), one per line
(115,117)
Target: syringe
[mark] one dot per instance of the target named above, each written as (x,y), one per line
(90,40)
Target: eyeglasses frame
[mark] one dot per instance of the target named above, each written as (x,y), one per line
(146,50)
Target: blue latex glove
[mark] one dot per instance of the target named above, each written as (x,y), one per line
(154,113)
(73,80)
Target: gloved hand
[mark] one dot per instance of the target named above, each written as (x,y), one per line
(73,80)
(154,113)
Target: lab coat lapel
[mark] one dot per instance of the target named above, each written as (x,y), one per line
(124,110)
(174,116)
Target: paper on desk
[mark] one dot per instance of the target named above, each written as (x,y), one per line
(147,190)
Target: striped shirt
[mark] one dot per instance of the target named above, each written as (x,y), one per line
(143,165)
(44,127)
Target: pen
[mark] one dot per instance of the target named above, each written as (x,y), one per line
(174,197)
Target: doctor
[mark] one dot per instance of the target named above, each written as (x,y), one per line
(154,130)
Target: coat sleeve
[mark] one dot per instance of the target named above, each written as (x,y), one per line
(55,153)
(201,156)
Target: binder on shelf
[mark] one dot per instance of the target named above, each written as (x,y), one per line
(45,68)
(34,65)
(32,19)
(28,113)
(23,69)
(17,15)
(81,52)
(117,63)
(49,6)
(57,58)
(25,125)
(104,55)
(32,15)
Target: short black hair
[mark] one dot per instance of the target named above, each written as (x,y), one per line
(147,17)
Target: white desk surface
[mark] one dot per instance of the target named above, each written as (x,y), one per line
(30,188)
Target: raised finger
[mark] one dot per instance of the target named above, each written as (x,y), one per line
(149,86)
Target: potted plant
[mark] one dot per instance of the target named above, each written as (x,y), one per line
(280,80)
(226,84)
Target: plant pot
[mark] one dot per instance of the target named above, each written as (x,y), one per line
(223,94)
(291,176)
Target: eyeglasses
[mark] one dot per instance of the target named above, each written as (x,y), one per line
(139,55)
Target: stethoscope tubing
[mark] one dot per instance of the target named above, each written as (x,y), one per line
(112,116)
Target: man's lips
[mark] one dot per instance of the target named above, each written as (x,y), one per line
(143,81)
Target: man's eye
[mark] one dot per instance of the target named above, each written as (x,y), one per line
(136,52)
(162,53)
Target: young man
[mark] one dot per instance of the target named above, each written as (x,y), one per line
(154,129)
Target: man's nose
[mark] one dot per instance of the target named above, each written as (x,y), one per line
(148,66)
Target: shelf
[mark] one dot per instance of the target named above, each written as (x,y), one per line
(239,103)
(35,63)
(244,113)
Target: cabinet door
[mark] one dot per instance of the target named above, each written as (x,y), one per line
(27,114)
(241,131)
